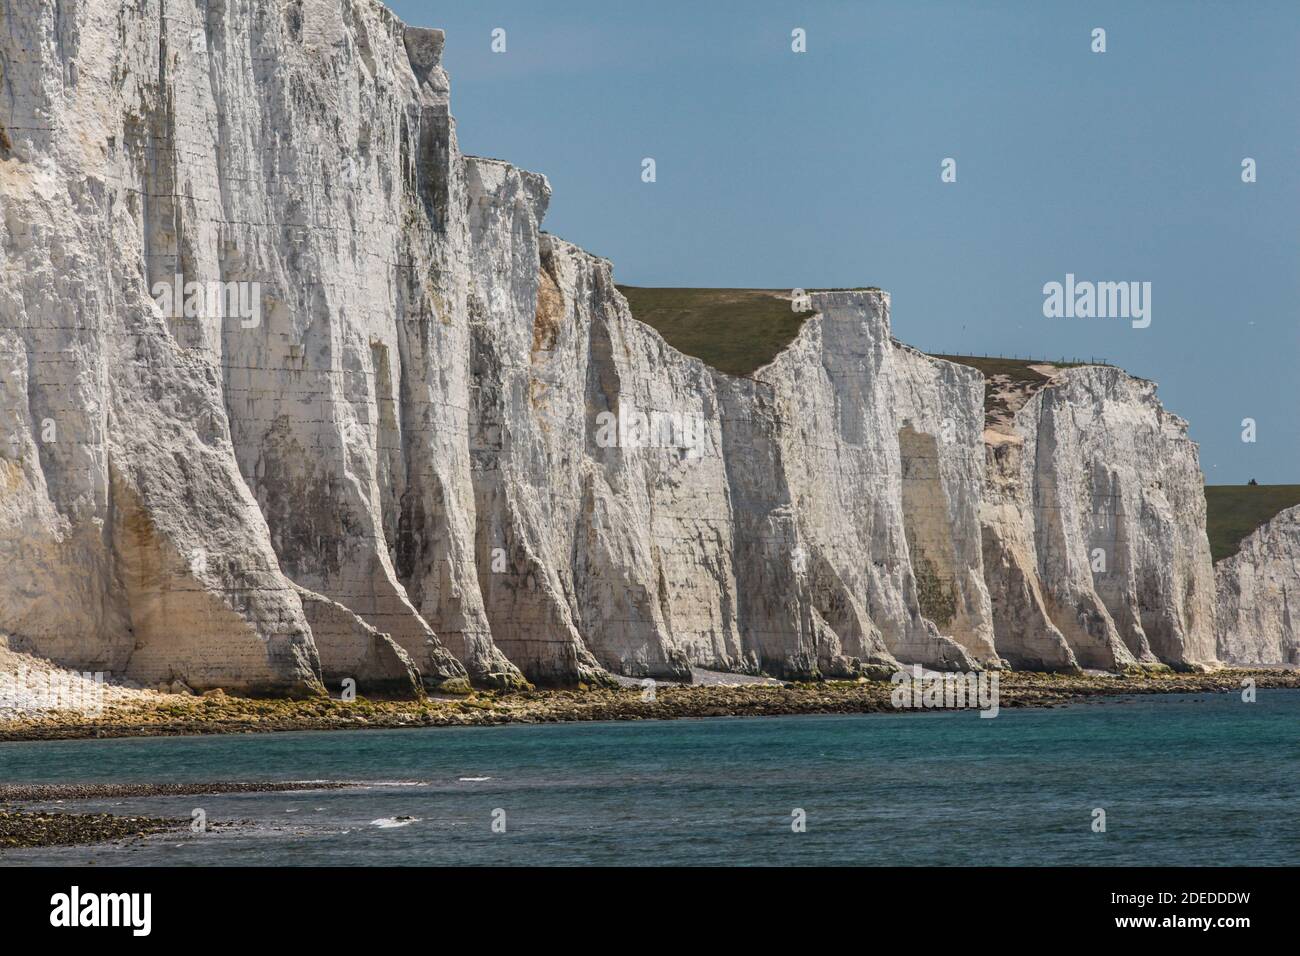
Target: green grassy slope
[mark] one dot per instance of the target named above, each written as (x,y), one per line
(1234,511)
(740,330)
(737,331)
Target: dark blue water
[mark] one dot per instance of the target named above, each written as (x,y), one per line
(1186,779)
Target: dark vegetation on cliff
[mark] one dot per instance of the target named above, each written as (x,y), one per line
(1009,382)
(1234,511)
(1016,369)
(736,331)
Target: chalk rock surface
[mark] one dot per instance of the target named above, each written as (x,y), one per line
(1259,595)
(1094,528)
(291,391)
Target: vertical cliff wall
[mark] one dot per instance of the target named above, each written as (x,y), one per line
(1258,611)
(133,542)
(1094,528)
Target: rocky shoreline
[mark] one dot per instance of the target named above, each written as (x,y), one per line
(26,829)
(22,828)
(179,715)
(54,792)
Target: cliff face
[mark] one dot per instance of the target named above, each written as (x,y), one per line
(133,541)
(202,464)
(437,442)
(869,493)
(1258,590)
(1094,528)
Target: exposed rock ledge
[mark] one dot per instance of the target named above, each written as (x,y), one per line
(399,468)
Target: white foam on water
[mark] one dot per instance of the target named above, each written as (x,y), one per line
(388,823)
(392,783)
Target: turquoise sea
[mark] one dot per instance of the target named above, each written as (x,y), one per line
(1183,779)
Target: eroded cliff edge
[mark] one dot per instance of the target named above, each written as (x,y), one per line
(446,446)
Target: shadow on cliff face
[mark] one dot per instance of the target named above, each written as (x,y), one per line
(192,619)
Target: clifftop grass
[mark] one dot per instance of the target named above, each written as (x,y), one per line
(1018,370)
(736,331)
(1234,511)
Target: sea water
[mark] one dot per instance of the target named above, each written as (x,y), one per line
(1194,779)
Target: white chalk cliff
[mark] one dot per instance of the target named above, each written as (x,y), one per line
(397,468)
(1094,527)
(1259,595)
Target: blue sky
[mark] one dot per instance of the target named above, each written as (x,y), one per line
(822,169)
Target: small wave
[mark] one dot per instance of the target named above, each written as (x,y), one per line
(473,779)
(391,783)
(388,823)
